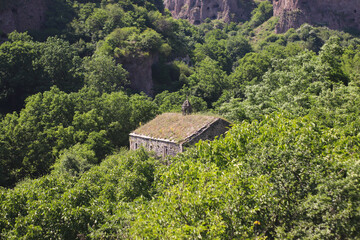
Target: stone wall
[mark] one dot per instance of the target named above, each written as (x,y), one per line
(161,147)
(215,129)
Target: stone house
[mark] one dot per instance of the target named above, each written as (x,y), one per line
(171,133)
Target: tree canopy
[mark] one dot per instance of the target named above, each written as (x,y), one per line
(287,169)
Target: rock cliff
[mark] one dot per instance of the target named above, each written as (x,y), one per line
(140,73)
(196,11)
(22,15)
(335,14)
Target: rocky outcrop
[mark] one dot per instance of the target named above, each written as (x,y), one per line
(22,15)
(196,11)
(335,14)
(140,73)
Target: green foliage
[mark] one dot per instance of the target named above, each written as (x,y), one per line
(103,74)
(96,23)
(250,69)
(127,43)
(294,83)
(288,168)
(236,47)
(150,40)
(208,80)
(17,77)
(171,102)
(61,64)
(350,61)
(27,67)
(75,160)
(142,109)
(27,138)
(330,56)
(223,49)
(293,176)
(54,121)
(277,172)
(232,110)
(58,15)
(200,201)
(66,207)
(263,12)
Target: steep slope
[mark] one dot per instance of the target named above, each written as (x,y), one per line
(196,11)
(22,15)
(335,14)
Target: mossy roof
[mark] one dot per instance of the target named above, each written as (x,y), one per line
(175,126)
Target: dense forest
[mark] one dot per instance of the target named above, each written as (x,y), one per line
(288,168)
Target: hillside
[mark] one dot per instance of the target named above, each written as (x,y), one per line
(72,91)
(339,15)
(22,15)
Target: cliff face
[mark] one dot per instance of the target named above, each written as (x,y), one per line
(335,14)
(140,73)
(196,11)
(22,15)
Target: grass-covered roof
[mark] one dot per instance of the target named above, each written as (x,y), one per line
(174,126)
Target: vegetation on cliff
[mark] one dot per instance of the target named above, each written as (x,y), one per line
(288,168)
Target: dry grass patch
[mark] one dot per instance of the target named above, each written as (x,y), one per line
(264,30)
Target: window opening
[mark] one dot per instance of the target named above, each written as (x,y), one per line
(165,151)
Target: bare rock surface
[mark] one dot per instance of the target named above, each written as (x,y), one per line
(196,11)
(22,15)
(140,73)
(335,14)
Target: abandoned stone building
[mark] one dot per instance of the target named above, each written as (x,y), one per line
(170,133)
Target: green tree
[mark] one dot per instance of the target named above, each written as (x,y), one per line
(171,102)
(214,48)
(330,56)
(143,109)
(262,13)
(53,121)
(291,84)
(102,73)
(60,64)
(29,139)
(208,80)
(350,62)
(284,174)
(18,79)
(76,160)
(92,204)
(236,47)
(250,70)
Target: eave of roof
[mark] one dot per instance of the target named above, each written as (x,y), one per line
(152,138)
